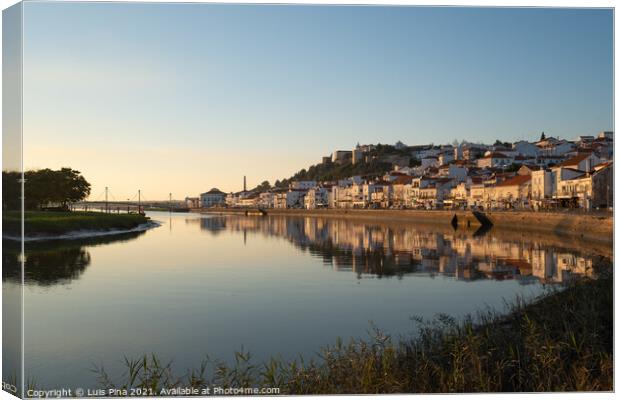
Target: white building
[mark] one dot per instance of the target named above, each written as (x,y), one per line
(494,160)
(445,158)
(459,195)
(458,173)
(546,161)
(350,196)
(353,180)
(428,152)
(458,152)
(317,197)
(429,161)
(554,147)
(525,148)
(212,198)
(302,185)
(289,199)
(192,202)
(583,162)
(542,187)
(513,192)
(266,199)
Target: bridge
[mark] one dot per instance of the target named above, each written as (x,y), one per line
(136,204)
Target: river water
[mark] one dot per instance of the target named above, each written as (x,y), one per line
(276,286)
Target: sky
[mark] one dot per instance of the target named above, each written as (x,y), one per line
(180,98)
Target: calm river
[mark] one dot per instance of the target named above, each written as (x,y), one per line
(276,286)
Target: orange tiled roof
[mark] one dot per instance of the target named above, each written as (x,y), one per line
(516,180)
(403,180)
(496,154)
(575,160)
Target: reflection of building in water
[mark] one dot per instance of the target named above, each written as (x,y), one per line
(213,225)
(367,248)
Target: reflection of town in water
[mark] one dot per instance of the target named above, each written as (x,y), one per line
(385,250)
(368,249)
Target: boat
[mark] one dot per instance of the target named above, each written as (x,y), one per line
(259,212)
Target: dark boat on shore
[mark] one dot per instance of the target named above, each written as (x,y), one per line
(258,212)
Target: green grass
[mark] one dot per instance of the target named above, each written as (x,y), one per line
(561,342)
(56,223)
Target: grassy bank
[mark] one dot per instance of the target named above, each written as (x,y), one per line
(56,223)
(561,342)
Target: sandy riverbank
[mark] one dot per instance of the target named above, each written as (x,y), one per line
(594,227)
(84,234)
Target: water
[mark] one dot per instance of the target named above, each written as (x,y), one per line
(276,286)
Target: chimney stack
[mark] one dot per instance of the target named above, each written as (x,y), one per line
(244,186)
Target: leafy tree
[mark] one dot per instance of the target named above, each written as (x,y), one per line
(45,186)
(262,187)
(11,190)
(542,136)
(500,143)
(72,186)
(512,168)
(334,171)
(414,162)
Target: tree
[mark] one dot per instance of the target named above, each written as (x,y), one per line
(414,162)
(512,168)
(263,186)
(542,136)
(72,186)
(59,187)
(11,190)
(500,143)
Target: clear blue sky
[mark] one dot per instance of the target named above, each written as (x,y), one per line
(182,98)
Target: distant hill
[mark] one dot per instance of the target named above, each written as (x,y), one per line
(375,163)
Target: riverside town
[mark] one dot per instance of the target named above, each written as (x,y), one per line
(307,199)
(551,173)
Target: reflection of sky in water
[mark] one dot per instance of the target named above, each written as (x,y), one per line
(276,286)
